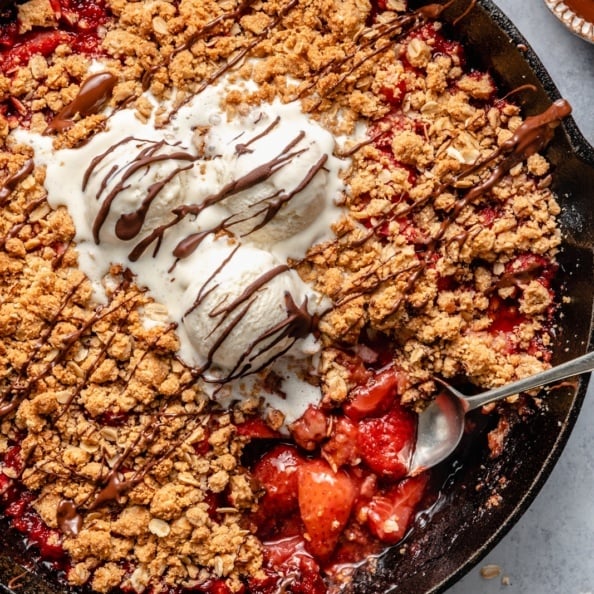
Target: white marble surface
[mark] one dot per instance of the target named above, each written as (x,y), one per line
(551,549)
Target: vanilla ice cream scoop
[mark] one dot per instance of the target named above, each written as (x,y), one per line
(285,177)
(134,187)
(244,309)
(289,156)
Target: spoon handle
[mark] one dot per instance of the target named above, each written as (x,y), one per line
(570,368)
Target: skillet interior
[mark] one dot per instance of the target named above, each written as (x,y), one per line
(461,532)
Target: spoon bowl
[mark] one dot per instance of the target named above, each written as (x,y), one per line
(441,424)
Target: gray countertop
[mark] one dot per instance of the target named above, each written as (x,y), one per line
(551,549)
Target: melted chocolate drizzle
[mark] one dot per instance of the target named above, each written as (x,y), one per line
(202,32)
(94,92)
(20,386)
(298,323)
(115,485)
(529,138)
(17,227)
(387,31)
(11,182)
(274,204)
(68,518)
(258,175)
(232,61)
(129,225)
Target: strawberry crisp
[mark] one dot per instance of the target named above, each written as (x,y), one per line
(239,241)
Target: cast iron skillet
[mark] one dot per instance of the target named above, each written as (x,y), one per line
(462,526)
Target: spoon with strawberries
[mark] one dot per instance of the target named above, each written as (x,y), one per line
(441,425)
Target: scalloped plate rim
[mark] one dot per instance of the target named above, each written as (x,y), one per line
(560,9)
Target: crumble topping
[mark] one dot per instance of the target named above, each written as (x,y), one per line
(108,421)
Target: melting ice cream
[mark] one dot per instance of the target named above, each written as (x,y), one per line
(206,212)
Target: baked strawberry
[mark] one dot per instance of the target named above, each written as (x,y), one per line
(506,317)
(386,443)
(48,540)
(326,499)
(276,472)
(389,513)
(294,570)
(26,520)
(5,484)
(256,428)
(277,552)
(394,93)
(13,459)
(310,429)
(375,397)
(307,579)
(43,43)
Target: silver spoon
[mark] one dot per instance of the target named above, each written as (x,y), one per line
(441,424)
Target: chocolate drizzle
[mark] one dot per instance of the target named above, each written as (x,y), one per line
(11,182)
(202,32)
(68,518)
(114,486)
(21,385)
(254,177)
(297,324)
(203,292)
(248,292)
(367,42)
(274,204)
(262,351)
(529,138)
(94,92)
(232,61)
(18,389)
(17,227)
(243,148)
(129,225)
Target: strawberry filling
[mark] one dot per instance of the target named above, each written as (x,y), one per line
(339,492)
(78,25)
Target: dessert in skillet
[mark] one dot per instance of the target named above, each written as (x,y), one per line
(238,241)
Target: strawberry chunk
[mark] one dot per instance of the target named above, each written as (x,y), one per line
(386,443)
(276,472)
(294,570)
(43,43)
(256,428)
(310,429)
(389,514)
(278,552)
(376,396)
(326,499)
(394,93)
(13,459)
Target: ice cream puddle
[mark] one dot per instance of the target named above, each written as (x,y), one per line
(206,212)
